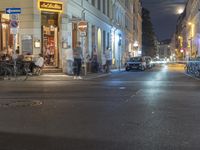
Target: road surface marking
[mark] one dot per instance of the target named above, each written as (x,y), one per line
(122,88)
(135,94)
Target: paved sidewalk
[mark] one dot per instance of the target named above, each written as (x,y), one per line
(64,77)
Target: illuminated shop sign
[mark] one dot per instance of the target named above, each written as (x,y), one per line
(50,6)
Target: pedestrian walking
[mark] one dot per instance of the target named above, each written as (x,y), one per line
(108,56)
(103,59)
(94,61)
(78,55)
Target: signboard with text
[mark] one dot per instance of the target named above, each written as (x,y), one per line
(52,6)
(13,10)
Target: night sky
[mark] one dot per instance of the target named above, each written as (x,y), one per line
(164,15)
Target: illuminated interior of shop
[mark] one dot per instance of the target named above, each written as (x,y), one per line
(50,38)
(6,39)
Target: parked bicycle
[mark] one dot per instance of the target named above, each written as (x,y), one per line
(11,71)
(193,67)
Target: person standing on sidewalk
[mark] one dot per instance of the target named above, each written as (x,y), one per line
(38,63)
(78,55)
(103,59)
(108,59)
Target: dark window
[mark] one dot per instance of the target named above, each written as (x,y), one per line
(99,5)
(108,8)
(104,40)
(104,6)
(108,40)
(93,2)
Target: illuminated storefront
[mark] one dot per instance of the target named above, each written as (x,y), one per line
(51,27)
(50,18)
(6,38)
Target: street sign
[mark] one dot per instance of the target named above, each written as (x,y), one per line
(14,30)
(14,17)
(83,34)
(13,10)
(13,24)
(82,26)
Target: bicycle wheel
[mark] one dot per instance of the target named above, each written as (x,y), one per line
(7,73)
(22,74)
(186,69)
(22,77)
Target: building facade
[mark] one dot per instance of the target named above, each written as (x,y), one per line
(188,31)
(41,29)
(137,27)
(53,27)
(164,49)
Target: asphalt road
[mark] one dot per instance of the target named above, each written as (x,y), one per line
(157,109)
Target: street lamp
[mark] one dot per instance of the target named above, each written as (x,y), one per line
(136,44)
(179,10)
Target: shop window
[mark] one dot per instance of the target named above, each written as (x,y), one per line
(50,38)
(74,35)
(6,39)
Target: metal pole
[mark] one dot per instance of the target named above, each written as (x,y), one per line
(84,55)
(119,48)
(14,49)
(191,48)
(83,41)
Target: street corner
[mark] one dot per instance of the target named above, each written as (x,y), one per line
(91,76)
(50,77)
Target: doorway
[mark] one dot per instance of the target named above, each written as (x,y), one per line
(50,39)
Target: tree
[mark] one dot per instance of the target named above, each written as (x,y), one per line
(148,35)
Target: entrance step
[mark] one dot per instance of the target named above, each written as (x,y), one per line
(52,70)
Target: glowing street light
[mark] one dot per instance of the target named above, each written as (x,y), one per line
(182,50)
(135,44)
(179,11)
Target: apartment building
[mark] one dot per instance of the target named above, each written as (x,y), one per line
(53,27)
(188,31)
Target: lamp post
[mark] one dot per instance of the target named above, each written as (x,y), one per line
(83,38)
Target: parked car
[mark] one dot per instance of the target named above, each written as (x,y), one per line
(149,63)
(136,63)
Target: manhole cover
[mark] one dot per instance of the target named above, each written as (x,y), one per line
(22,103)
